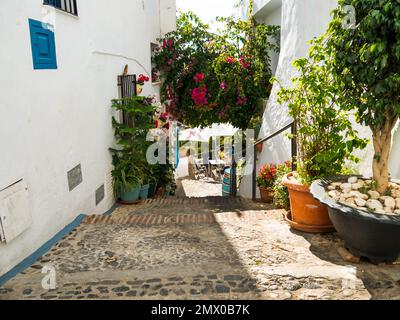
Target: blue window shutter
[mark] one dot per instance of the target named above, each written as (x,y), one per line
(43,45)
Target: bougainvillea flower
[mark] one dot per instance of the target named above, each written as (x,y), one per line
(199,95)
(230,60)
(164,116)
(199,77)
(241,101)
(244,63)
(170,62)
(223,85)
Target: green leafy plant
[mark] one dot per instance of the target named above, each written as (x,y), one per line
(216,77)
(281,193)
(325,136)
(366,66)
(129,158)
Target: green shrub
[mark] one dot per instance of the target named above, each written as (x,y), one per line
(281,193)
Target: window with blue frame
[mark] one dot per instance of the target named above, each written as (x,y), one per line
(43,45)
(69,6)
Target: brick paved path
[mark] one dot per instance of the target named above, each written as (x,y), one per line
(211,248)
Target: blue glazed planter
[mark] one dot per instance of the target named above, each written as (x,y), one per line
(144,192)
(131,196)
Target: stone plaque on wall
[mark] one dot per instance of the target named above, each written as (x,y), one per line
(75,177)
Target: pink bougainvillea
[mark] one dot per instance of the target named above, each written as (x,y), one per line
(230,60)
(244,62)
(199,77)
(241,101)
(199,95)
(223,86)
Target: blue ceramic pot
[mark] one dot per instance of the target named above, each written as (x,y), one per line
(144,192)
(131,196)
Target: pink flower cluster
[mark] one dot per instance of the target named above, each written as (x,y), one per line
(199,95)
(241,101)
(230,60)
(244,63)
(199,77)
(167,43)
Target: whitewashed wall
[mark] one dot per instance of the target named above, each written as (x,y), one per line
(53,120)
(300,22)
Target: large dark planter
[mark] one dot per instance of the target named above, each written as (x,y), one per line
(373,236)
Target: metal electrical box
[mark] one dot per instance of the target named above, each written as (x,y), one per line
(15,212)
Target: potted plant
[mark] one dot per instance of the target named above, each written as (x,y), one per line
(142,79)
(265,181)
(129,157)
(153,187)
(324,135)
(127,179)
(365,62)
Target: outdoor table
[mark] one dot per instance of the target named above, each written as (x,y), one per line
(220,164)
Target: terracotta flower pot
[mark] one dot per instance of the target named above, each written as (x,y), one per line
(160,192)
(266,195)
(307,213)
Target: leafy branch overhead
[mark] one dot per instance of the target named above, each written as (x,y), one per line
(216,77)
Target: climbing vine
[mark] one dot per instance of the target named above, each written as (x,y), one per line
(216,77)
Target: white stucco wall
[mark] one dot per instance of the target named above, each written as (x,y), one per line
(301,21)
(53,120)
(272,16)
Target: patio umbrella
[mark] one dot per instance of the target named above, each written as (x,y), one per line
(195,134)
(220,130)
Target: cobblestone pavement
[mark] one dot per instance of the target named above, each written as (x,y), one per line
(246,251)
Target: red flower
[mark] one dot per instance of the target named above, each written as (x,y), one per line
(142,79)
(199,77)
(267,175)
(244,63)
(164,116)
(230,60)
(199,95)
(241,101)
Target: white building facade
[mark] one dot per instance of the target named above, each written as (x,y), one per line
(55,106)
(300,21)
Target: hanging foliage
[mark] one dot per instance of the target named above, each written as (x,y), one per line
(216,77)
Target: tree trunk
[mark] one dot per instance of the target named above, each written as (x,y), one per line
(382,144)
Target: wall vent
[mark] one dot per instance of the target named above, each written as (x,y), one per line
(75,177)
(100,194)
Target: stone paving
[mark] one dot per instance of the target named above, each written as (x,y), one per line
(246,251)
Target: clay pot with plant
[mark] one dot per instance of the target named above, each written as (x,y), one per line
(265,181)
(364,61)
(324,135)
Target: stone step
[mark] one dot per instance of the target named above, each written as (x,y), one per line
(177,219)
